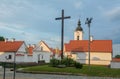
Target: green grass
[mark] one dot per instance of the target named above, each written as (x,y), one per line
(102,71)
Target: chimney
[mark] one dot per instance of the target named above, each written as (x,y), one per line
(33,45)
(91,38)
(13,39)
(29,45)
(6,39)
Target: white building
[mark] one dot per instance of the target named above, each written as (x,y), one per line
(10,49)
(42,53)
(100,50)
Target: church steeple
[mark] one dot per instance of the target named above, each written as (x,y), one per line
(78,34)
(79,28)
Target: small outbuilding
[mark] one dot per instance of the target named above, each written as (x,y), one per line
(115,63)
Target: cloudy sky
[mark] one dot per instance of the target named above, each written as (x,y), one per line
(34,20)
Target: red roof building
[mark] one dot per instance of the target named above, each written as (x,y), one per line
(95,46)
(78,49)
(10,46)
(10,49)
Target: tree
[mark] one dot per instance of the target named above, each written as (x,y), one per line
(117,56)
(2,38)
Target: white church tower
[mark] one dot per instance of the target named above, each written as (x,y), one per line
(78,33)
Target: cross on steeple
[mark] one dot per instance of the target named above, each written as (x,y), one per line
(62,30)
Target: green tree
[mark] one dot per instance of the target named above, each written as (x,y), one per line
(117,56)
(2,38)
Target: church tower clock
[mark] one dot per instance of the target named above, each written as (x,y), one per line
(78,33)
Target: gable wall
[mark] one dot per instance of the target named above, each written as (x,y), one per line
(98,58)
(22,49)
(45,48)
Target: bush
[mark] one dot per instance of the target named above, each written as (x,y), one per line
(78,65)
(54,62)
(68,62)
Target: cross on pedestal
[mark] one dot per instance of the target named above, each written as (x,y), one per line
(62,30)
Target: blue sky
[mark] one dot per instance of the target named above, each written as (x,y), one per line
(34,20)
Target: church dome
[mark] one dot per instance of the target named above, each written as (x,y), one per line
(79,28)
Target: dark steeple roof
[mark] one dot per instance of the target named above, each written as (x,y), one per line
(79,28)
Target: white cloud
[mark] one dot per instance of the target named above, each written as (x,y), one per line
(113,14)
(12,27)
(5,11)
(78,5)
(21,34)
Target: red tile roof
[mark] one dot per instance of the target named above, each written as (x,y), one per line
(116,60)
(10,46)
(95,46)
(56,51)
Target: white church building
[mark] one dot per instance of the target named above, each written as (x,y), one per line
(100,50)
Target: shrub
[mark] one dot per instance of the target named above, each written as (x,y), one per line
(54,62)
(65,62)
(78,65)
(68,62)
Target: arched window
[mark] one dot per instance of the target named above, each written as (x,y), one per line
(78,37)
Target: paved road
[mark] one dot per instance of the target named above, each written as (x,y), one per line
(9,75)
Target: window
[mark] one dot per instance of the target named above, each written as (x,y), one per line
(77,37)
(41,48)
(9,56)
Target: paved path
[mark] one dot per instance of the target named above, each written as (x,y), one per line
(9,75)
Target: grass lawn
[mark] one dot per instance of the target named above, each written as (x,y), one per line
(94,70)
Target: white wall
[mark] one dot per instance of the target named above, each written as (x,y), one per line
(28,58)
(39,56)
(24,58)
(22,49)
(115,65)
(4,57)
(20,58)
(98,58)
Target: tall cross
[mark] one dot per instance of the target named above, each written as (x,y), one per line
(62,30)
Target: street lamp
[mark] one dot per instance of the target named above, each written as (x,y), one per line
(88,22)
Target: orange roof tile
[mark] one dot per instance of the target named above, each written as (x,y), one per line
(10,46)
(55,51)
(95,46)
(116,60)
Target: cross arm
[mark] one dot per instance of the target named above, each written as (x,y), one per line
(59,18)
